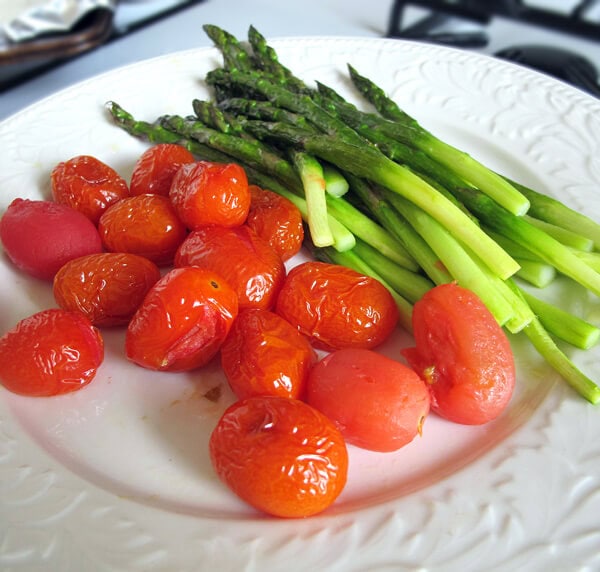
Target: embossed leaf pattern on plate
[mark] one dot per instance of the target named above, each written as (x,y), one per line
(117,477)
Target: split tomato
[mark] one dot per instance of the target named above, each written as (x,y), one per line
(377,403)
(210,193)
(107,287)
(144,224)
(265,355)
(280,455)
(182,321)
(153,172)
(336,307)
(277,220)
(245,261)
(463,355)
(49,353)
(88,185)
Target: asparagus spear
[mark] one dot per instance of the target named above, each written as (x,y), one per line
(397,124)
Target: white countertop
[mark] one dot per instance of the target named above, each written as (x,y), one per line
(273,18)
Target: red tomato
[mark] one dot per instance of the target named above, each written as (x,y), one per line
(377,403)
(277,220)
(337,307)
(146,225)
(106,287)
(264,355)
(182,321)
(210,193)
(87,185)
(244,260)
(463,355)
(153,172)
(40,236)
(52,352)
(280,455)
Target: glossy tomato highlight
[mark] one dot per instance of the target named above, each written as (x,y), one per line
(88,185)
(154,170)
(210,193)
(280,455)
(107,287)
(463,355)
(277,220)
(146,225)
(182,321)
(265,355)
(336,307)
(377,403)
(246,262)
(49,353)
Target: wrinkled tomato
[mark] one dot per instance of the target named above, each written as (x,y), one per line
(244,260)
(210,193)
(107,287)
(154,170)
(463,355)
(264,355)
(40,236)
(144,224)
(88,185)
(336,307)
(277,220)
(280,455)
(377,403)
(49,353)
(182,321)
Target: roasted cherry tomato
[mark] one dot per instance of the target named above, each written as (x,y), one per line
(463,355)
(106,287)
(87,185)
(245,260)
(337,307)
(182,321)
(210,193)
(277,220)
(280,455)
(265,355)
(52,352)
(146,225)
(153,172)
(376,402)
(40,236)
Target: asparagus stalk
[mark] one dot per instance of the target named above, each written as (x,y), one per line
(533,238)
(369,163)
(401,125)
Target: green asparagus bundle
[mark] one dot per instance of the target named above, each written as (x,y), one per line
(384,196)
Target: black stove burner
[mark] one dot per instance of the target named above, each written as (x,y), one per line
(574,22)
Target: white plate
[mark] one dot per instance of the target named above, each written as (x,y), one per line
(117,476)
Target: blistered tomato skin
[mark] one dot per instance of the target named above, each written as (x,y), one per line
(264,355)
(40,236)
(336,307)
(463,355)
(378,403)
(144,224)
(280,455)
(88,185)
(182,322)
(154,170)
(245,261)
(210,193)
(106,287)
(50,353)
(277,220)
